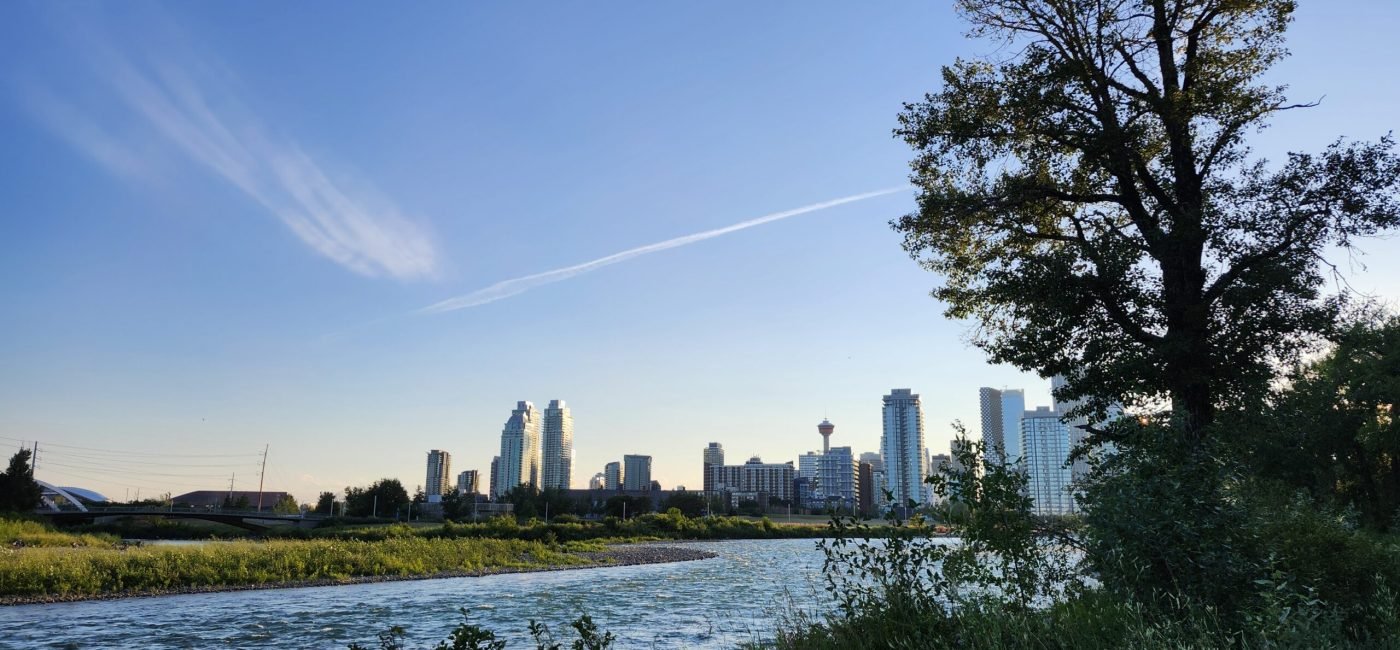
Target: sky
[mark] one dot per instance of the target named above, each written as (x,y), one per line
(351,233)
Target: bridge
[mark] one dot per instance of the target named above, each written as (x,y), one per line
(64,506)
(250,520)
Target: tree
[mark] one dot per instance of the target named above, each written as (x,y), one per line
(1334,430)
(1091,202)
(385,496)
(691,504)
(19,492)
(287,505)
(325,504)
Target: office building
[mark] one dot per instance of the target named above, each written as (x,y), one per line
(558,454)
(438,481)
(468,482)
(612,476)
(714,457)
(520,448)
(1044,440)
(636,472)
(902,447)
(598,482)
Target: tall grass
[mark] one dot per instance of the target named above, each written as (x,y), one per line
(68,572)
(16,533)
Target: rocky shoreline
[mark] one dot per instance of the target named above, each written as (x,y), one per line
(613,556)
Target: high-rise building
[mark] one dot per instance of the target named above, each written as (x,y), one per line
(636,472)
(1045,441)
(558,454)
(612,476)
(826,428)
(496,486)
(714,457)
(809,465)
(1076,426)
(754,477)
(867,489)
(468,482)
(873,457)
(439,479)
(598,482)
(1013,404)
(520,448)
(993,437)
(839,479)
(938,464)
(902,447)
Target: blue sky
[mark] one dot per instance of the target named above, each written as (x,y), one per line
(222,225)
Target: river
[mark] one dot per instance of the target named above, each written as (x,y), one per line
(721,602)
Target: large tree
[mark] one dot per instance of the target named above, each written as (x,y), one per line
(19,492)
(1088,196)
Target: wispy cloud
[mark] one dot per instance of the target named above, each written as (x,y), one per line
(186,101)
(515,286)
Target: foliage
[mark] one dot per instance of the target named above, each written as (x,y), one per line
(625,507)
(61,572)
(691,504)
(1333,430)
(383,497)
(325,503)
(467,636)
(287,505)
(18,490)
(530,502)
(1004,556)
(19,533)
(1090,200)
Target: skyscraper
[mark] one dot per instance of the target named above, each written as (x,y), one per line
(468,482)
(992,436)
(438,481)
(558,455)
(597,482)
(496,486)
(1013,404)
(636,472)
(902,447)
(1080,467)
(612,476)
(520,448)
(714,457)
(1045,441)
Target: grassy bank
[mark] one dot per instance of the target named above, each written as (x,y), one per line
(654,526)
(23,533)
(59,570)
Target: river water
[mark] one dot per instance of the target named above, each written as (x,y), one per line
(735,598)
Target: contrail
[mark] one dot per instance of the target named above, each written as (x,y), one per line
(514,286)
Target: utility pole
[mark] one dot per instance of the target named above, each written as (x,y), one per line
(230,487)
(261,472)
(376,506)
(34,460)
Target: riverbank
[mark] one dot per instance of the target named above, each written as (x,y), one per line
(52,575)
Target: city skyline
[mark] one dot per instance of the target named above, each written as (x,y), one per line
(176,290)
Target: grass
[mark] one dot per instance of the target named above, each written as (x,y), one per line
(22,533)
(29,573)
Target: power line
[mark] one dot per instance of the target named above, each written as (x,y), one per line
(138,453)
